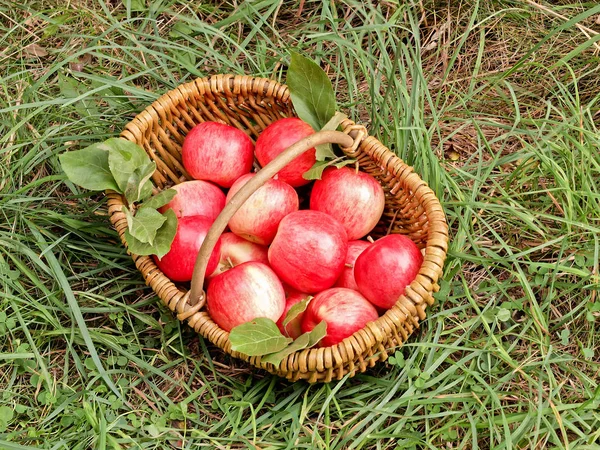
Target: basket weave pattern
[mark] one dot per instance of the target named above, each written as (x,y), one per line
(251,104)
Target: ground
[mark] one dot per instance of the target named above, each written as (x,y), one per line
(497,106)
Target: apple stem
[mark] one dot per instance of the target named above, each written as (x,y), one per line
(267,172)
(229,262)
(349,266)
(370,239)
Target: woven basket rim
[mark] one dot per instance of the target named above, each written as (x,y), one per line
(409,307)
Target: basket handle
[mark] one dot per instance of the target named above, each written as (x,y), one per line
(261,177)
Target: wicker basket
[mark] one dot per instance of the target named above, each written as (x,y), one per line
(251,104)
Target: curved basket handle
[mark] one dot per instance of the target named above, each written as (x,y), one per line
(261,177)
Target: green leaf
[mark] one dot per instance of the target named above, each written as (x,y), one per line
(296,310)
(588,353)
(89,168)
(258,337)
(160,199)
(564,336)
(306,340)
(73,89)
(139,186)
(317,333)
(186,58)
(325,151)
(299,344)
(182,29)
(125,210)
(397,359)
(138,5)
(503,315)
(6,415)
(444,290)
(334,122)
(124,157)
(145,224)
(162,241)
(311,91)
(316,171)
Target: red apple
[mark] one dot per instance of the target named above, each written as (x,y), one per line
(216,152)
(178,263)
(258,218)
(294,328)
(346,279)
(244,293)
(383,270)
(308,251)
(354,198)
(276,138)
(196,198)
(236,250)
(344,310)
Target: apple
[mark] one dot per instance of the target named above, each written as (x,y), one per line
(309,250)
(196,198)
(294,328)
(383,270)
(276,138)
(244,293)
(344,310)
(236,250)
(217,152)
(354,198)
(258,218)
(346,279)
(178,263)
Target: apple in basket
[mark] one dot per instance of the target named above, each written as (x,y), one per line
(217,152)
(383,270)
(236,250)
(276,138)
(344,310)
(354,198)
(309,250)
(244,293)
(178,263)
(258,218)
(196,198)
(346,279)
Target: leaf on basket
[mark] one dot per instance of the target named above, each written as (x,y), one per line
(162,240)
(325,151)
(296,310)
(306,340)
(316,171)
(89,168)
(311,91)
(131,167)
(317,333)
(145,224)
(124,157)
(139,185)
(129,216)
(299,344)
(258,337)
(159,200)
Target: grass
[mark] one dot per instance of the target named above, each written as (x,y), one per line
(496,105)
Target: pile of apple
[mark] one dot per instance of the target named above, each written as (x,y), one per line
(276,254)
